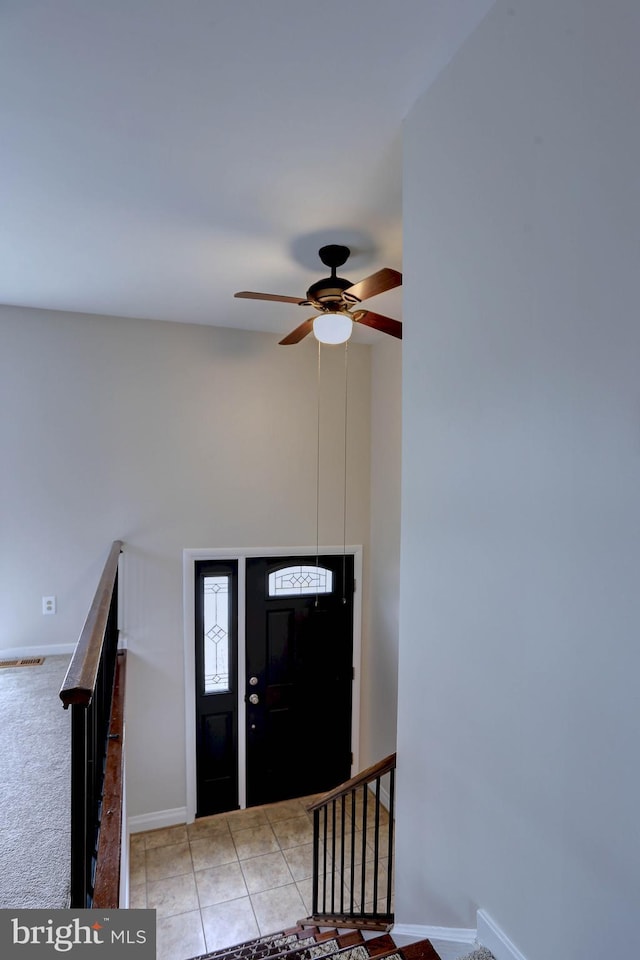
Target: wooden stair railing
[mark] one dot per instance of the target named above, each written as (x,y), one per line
(352,837)
(94,689)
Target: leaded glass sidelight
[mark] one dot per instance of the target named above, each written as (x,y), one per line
(216,634)
(300,580)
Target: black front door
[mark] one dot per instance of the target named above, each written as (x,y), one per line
(299,635)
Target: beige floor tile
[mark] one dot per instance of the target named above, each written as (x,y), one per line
(244,819)
(219,884)
(137,866)
(265,872)
(180,937)
(305,889)
(172,895)
(209,827)
(168,861)
(226,924)
(371,807)
(293,832)
(383,836)
(381,908)
(137,842)
(249,871)
(382,878)
(368,888)
(300,860)
(279,908)
(331,890)
(165,837)
(285,810)
(212,851)
(336,850)
(255,841)
(137,896)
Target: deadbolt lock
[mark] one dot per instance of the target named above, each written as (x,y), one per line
(253,681)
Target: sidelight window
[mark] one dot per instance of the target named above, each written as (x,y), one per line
(216,634)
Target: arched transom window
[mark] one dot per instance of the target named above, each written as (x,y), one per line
(300,580)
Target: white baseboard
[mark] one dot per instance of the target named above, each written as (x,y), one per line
(157,820)
(492,937)
(42,650)
(419,932)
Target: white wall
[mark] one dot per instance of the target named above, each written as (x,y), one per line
(167,436)
(519,784)
(380,666)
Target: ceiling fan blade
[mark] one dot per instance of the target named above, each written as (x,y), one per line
(380,282)
(299,333)
(378,322)
(248,295)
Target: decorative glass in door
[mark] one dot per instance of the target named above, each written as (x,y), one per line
(216,662)
(216,634)
(300,580)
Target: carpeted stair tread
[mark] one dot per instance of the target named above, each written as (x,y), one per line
(305,948)
(271,945)
(324,947)
(252,947)
(353,946)
(297,944)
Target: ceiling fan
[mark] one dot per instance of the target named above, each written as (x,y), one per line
(335,298)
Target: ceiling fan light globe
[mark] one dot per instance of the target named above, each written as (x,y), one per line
(332,328)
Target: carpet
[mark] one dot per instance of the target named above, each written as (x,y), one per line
(480,954)
(35,788)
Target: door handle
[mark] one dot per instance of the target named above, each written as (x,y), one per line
(254,698)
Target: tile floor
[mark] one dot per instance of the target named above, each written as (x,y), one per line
(230,877)
(226,878)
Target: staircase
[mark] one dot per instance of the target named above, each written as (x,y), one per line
(311,943)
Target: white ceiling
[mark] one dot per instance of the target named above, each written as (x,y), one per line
(158,155)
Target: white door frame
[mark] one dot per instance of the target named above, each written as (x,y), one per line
(189,558)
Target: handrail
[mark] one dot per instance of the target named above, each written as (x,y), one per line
(80,681)
(92,688)
(366,776)
(352,875)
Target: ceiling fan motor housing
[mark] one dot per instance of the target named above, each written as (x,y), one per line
(328,291)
